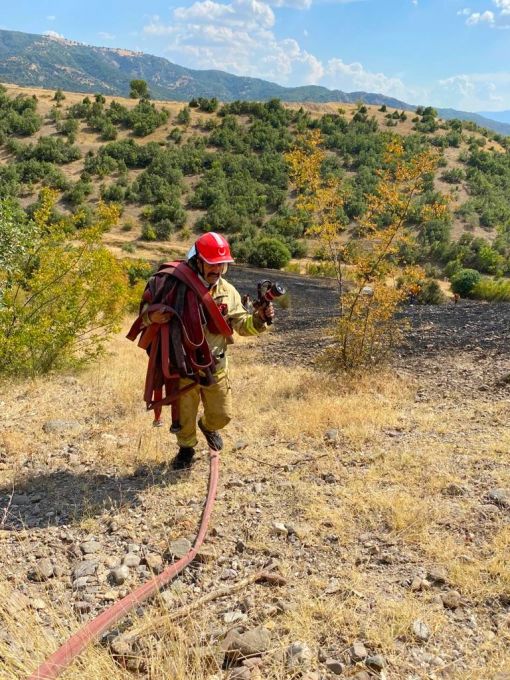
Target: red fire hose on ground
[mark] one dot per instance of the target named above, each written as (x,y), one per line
(61,659)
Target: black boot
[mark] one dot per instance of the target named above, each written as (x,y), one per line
(213,438)
(184,458)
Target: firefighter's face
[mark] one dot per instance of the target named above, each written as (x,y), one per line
(212,272)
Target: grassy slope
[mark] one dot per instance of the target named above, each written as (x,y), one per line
(117,238)
(389,513)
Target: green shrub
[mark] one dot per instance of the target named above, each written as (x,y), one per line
(495,290)
(464,281)
(269,253)
(59,300)
(430,293)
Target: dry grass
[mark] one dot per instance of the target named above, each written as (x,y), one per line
(385,516)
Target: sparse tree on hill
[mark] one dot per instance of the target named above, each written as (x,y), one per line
(139,89)
(59,97)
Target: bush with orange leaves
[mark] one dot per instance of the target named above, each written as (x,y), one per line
(366,264)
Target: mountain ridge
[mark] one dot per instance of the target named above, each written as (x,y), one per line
(54,62)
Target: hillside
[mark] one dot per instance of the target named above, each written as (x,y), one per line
(382,501)
(171,173)
(50,62)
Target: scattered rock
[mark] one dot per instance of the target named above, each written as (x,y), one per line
(42,571)
(85,568)
(241,673)
(437,576)
(131,560)
(90,547)
(377,662)
(500,497)
(421,630)
(358,651)
(119,575)
(251,643)
(57,426)
(299,655)
(179,548)
(451,599)
(331,436)
(232,617)
(239,445)
(334,666)
(279,528)
(37,604)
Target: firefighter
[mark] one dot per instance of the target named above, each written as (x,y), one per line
(209,258)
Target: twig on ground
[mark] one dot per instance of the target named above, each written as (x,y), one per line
(300,461)
(155,624)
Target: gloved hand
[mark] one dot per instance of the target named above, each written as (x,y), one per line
(266,312)
(159,317)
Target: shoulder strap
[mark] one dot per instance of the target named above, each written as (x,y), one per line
(185,274)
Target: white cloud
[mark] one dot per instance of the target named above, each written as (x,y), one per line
(503,5)
(479,18)
(106,36)
(51,17)
(493,19)
(474,92)
(54,34)
(238,37)
(349,77)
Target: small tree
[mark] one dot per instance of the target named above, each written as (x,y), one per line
(366,267)
(59,97)
(184,116)
(59,300)
(139,89)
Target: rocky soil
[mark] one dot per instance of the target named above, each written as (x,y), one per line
(78,529)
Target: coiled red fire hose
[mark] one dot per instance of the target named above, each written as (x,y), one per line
(61,659)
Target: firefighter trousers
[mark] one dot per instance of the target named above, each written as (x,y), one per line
(217,403)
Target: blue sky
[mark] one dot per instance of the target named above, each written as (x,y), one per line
(448,53)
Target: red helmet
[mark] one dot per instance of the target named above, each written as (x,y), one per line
(213,249)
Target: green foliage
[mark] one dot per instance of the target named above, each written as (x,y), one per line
(464,281)
(270,253)
(60,301)
(430,293)
(453,176)
(204,104)
(139,89)
(492,290)
(59,97)
(184,116)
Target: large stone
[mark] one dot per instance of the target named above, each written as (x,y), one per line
(500,497)
(85,568)
(251,643)
(421,630)
(90,547)
(451,599)
(299,655)
(131,560)
(179,548)
(58,425)
(334,666)
(358,651)
(43,570)
(119,575)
